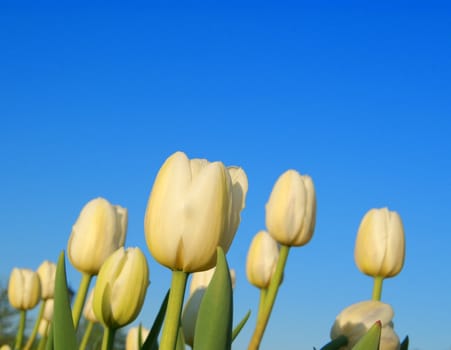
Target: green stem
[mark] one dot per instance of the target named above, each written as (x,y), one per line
(108,338)
(377,287)
(263,294)
(20,331)
(80,298)
(172,319)
(36,326)
(270,298)
(85,339)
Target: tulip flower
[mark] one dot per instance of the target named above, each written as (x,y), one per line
(43,328)
(24,292)
(47,272)
(24,289)
(121,287)
(131,342)
(354,321)
(291,209)
(99,231)
(380,246)
(198,286)
(5,347)
(262,260)
(193,208)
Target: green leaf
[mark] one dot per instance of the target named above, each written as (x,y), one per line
(336,344)
(240,325)
(151,342)
(405,344)
(63,326)
(214,321)
(180,340)
(370,341)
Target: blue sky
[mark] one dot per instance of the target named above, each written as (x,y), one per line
(94,99)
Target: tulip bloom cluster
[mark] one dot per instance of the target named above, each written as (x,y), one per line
(192,216)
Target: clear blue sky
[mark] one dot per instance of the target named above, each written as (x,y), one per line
(94,99)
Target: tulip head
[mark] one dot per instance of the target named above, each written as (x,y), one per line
(131,342)
(98,232)
(291,209)
(357,319)
(24,289)
(262,260)
(47,273)
(121,287)
(48,309)
(88,311)
(191,210)
(380,245)
(43,328)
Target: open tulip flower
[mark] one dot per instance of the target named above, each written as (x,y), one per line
(354,321)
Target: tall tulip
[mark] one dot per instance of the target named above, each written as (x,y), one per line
(99,231)
(354,321)
(290,220)
(120,290)
(193,208)
(380,246)
(24,293)
(47,273)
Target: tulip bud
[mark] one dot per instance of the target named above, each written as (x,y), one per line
(121,287)
(262,260)
(98,232)
(131,342)
(198,286)
(193,207)
(291,209)
(48,309)
(24,289)
(380,245)
(88,311)
(43,328)
(357,319)
(47,273)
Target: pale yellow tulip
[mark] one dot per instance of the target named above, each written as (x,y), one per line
(24,289)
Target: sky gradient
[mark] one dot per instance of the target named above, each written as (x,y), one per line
(94,99)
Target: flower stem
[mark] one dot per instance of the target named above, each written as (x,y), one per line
(108,338)
(263,293)
(172,319)
(377,287)
(85,339)
(35,327)
(80,298)
(269,299)
(20,331)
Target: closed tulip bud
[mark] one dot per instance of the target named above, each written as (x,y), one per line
(357,319)
(24,289)
(131,342)
(47,273)
(121,287)
(43,328)
(48,309)
(380,245)
(88,311)
(5,347)
(291,209)
(98,232)
(262,260)
(193,207)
